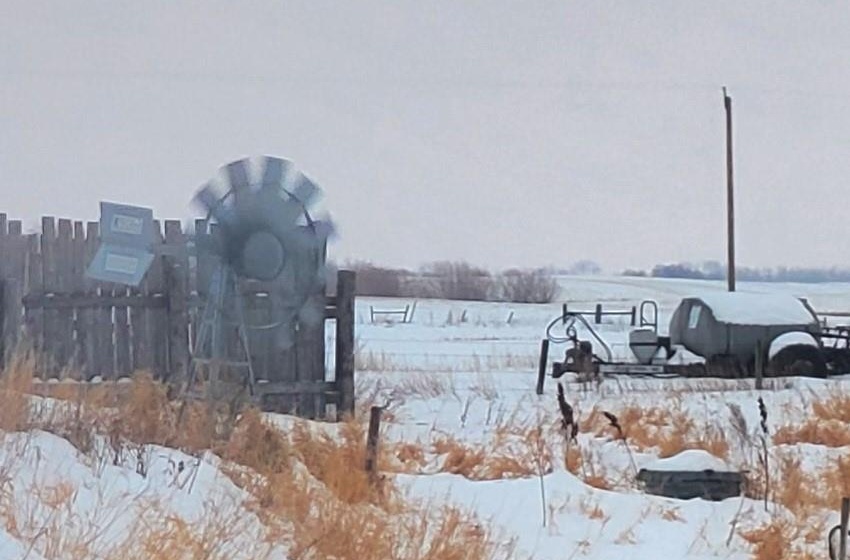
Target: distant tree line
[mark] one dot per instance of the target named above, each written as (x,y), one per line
(713,270)
(455,280)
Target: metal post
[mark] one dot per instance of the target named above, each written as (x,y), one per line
(541,370)
(730,198)
(372,443)
(845,517)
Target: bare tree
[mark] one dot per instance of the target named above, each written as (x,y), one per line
(460,280)
(528,286)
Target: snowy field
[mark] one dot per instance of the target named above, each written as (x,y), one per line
(460,371)
(464,427)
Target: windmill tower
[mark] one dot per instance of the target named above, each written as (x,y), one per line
(261,231)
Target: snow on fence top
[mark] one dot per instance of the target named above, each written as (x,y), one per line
(740,308)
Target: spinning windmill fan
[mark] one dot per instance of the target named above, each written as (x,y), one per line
(261,230)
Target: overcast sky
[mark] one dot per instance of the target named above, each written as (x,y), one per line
(503,133)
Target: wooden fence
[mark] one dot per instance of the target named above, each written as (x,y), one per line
(81,327)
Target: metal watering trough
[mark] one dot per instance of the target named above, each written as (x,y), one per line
(691,474)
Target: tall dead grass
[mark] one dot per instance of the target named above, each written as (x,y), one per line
(828,424)
(308,487)
(668,430)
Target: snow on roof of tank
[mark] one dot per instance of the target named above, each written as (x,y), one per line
(742,308)
(689,460)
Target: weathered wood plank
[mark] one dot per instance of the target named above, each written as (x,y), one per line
(96,322)
(176,283)
(204,262)
(13,248)
(78,264)
(123,364)
(4,228)
(141,319)
(294,388)
(10,318)
(50,342)
(34,285)
(88,301)
(310,364)
(64,283)
(157,317)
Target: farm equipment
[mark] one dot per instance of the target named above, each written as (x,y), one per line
(728,334)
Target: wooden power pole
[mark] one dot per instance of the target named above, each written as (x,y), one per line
(730,197)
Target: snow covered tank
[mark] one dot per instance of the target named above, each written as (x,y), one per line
(729,325)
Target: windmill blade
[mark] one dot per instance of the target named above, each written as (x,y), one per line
(282,215)
(275,172)
(305,191)
(209,199)
(238,175)
(244,201)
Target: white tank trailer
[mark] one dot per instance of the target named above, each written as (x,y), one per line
(735,333)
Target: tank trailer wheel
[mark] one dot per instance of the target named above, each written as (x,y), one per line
(798,360)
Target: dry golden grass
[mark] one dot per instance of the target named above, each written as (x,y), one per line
(477,462)
(831,433)
(309,486)
(667,430)
(829,423)
(15,383)
(805,496)
(836,406)
(776,541)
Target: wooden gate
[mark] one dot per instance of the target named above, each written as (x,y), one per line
(87,329)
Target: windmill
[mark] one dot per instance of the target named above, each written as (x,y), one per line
(261,230)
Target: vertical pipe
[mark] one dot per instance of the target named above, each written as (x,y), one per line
(541,368)
(730,198)
(845,517)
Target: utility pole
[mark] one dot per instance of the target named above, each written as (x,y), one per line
(730,197)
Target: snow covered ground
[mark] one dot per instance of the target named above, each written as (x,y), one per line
(464,426)
(466,371)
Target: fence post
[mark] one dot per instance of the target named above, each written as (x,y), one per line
(10,318)
(564,314)
(759,365)
(176,285)
(372,443)
(541,368)
(634,312)
(845,517)
(345,341)
(598,315)
(3,312)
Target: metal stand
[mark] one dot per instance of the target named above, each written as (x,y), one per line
(224,308)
